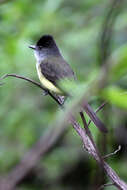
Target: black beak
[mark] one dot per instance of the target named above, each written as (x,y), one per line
(32,47)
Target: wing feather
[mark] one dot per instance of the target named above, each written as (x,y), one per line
(55,69)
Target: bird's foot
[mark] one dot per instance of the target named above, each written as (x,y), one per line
(45,92)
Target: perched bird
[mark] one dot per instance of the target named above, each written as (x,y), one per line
(51,68)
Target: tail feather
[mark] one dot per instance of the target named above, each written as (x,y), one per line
(94,118)
(90,113)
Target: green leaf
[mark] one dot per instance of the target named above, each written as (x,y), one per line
(116,96)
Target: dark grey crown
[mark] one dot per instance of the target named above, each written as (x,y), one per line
(46,41)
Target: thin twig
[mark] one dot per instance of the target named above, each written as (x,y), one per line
(24,78)
(91,138)
(85,124)
(100,107)
(97,110)
(105,185)
(113,153)
(33,82)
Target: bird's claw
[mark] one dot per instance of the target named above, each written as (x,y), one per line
(45,92)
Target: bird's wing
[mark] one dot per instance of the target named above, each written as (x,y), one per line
(55,69)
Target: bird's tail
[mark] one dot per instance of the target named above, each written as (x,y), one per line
(94,118)
(99,124)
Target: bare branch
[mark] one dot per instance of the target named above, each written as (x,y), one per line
(90,136)
(121,185)
(33,82)
(113,153)
(21,77)
(96,154)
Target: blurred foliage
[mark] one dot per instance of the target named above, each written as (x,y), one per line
(25,113)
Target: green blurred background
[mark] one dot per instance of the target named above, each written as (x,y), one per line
(25,113)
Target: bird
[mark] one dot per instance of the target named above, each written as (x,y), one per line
(52,67)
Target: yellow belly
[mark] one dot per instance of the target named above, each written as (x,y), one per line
(46,83)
